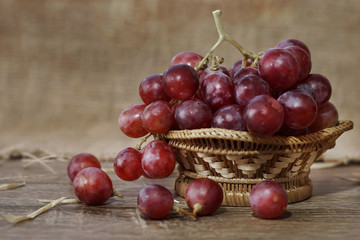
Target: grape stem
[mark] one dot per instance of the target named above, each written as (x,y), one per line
(143,140)
(116,194)
(174,101)
(223,36)
(197,208)
(257,59)
(184,212)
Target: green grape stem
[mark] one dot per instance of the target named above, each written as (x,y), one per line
(197,208)
(116,194)
(184,212)
(223,36)
(257,59)
(143,140)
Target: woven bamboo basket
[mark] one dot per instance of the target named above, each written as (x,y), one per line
(238,160)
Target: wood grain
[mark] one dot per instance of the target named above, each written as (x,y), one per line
(331,213)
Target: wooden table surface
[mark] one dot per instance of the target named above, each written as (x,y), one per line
(331,213)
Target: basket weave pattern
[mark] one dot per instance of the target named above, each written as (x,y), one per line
(238,160)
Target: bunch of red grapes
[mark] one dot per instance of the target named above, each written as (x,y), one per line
(274,94)
(277,95)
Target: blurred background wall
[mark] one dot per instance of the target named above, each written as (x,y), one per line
(68,68)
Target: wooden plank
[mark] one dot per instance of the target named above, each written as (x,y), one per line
(332,212)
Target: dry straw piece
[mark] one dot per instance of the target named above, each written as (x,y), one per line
(238,160)
(10,186)
(16,219)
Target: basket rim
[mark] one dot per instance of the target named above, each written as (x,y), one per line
(219,133)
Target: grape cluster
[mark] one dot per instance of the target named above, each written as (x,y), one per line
(277,94)
(272,94)
(269,93)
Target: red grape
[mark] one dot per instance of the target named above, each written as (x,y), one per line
(244,72)
(81,161)
(248,87)
(264,115)
(130,121)
(299,108)
(303,59)
(279,68)
(208,71)
(93,186)
(158,159)
(218,90)
(155,201)
(293,42)
(237,66)
(199,94)
(268,199)
(180,82)
(150,89)
(127,164)
(189,58)
(305,88)
(229,117)
(193,114)
(327,116)
(321,86)
(203,196)
(158,117)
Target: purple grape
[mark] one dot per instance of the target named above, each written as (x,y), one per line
(180,81)
(158,117)
(303,59)
(155,201)
(279,68)
(193,114)
(229,117)
(244,72)
(218,90)
(299,108)
(204,196)
(327,116)
(150,89)
(268,199)
(92,186)
(158,160)
(264,115)
(248,87)
(293,42)
(237,66)
(189,58)
(321,86)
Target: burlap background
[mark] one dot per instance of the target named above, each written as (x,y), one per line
(68,68)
